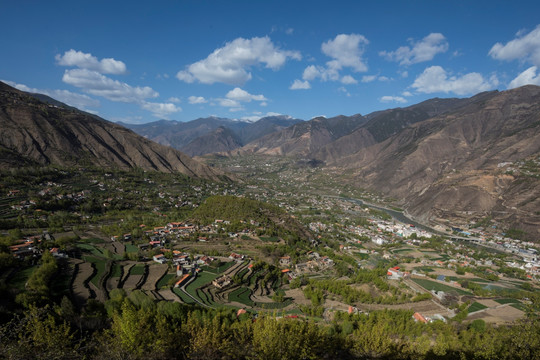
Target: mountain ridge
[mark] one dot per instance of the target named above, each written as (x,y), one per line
(41,133)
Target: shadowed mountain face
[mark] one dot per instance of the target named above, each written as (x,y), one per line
(42,133)
(178,134)
(220,140)
(304,138)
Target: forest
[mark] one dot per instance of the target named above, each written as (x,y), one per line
(134,327)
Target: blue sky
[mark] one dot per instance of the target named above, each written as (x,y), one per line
(141,61)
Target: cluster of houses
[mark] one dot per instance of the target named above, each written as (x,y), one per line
(28,247)
(395,273)
(316,262)
(401,230)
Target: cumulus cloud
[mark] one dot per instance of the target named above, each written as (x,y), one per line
(423,50)
(97,84)
(406,93)
(231,63)
(369,78)
(525,47)
(348,79)
(238,94)
(435,79)
(173,99)
(312,72)
(89,77)
(300,85)
(197,100)
(79,101)
(258,115)
(527,77)
(161,110)
(396,99)
(347,51)
(90,62)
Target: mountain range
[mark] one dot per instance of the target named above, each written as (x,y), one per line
(210,135)
(443,160)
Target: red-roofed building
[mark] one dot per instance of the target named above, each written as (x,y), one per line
(419,317)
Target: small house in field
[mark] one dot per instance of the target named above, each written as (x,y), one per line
(419,318)
(236,257)
(160,258)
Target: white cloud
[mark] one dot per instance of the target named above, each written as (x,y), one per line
(252,118)
(231,63)
(197,100)
(435,79)
(407,93)
(527,77)
(524,47)
(311,73)
(347,51)
(160,110)
(87,61)
(257,115)
(79,101)
(344,90)
(229,103)
(97,84)
(348,79)
(243,96)
(173,99)
(369,78)
(300,85)
(424,50)
(397,99)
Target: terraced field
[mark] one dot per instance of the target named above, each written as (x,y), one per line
(475,306)
(83,272)
(242,296)
(155,273)
(135,278)
(113,280)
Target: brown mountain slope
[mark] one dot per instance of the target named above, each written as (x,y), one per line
(46,134)
(454,166)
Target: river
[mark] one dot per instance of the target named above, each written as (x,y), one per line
(397,215)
